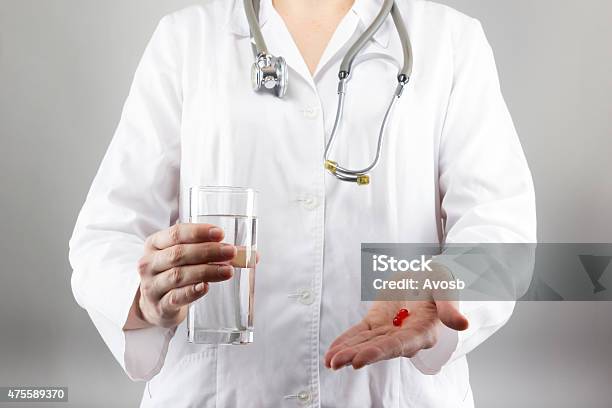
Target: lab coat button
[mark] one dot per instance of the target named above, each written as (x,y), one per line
(303,396)
(310,202)
(310,112)
(306,297)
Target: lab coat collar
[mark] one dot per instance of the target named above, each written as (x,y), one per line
(365,10)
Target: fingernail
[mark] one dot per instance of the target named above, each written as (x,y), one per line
(228,250)
(199,287)
(226,270)
(215,233)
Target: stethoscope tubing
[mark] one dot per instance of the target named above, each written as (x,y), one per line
(360,176)
(339,170)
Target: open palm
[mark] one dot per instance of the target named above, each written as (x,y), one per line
(375,338)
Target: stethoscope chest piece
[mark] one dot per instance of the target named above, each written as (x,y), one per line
(269,73)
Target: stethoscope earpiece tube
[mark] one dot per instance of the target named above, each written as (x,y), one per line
(347,62)
(251,9)
(406,72)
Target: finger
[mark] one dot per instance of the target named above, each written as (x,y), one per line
(360,327)
(192,254)
(180,276)
(179,297)
(449,314)
(344,356)
(447,301)
(184,234)
(358,338)
(402,343)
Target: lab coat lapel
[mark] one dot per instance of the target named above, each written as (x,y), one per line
(343,37)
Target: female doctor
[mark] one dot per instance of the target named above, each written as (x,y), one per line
(451,169)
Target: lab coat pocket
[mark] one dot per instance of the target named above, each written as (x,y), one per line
(191,382)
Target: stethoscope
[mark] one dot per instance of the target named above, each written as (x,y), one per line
(270,73)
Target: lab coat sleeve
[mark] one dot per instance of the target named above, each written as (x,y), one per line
(486,188)
(134,193)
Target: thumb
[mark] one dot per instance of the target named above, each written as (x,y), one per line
(449,314)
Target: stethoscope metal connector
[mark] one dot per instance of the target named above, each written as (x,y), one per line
(363,180)
(331,166)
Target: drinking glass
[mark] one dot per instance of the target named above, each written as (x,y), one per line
(225,314)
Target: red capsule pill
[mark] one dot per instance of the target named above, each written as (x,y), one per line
(400,317)
(403,313)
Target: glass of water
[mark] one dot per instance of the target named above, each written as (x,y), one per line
(225,314)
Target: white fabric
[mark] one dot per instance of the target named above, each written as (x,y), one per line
(451,154)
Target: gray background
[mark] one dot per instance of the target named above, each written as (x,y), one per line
(65,69)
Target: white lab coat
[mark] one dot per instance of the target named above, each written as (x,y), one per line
(452,169)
